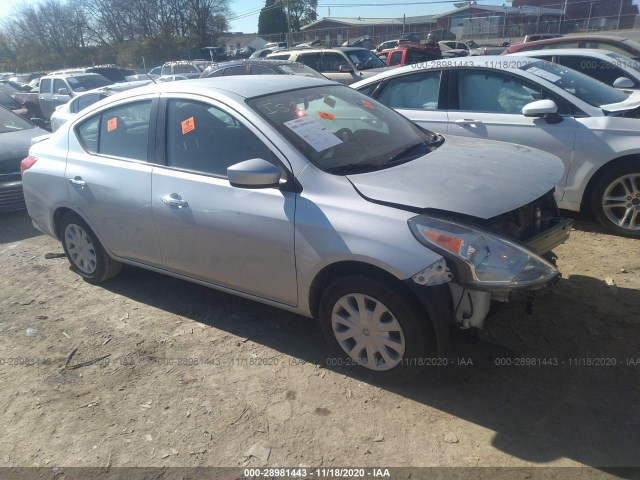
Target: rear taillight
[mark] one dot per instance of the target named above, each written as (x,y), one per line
(485,52)
(27,163)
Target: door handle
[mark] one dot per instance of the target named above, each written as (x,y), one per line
(466,121)
(77,182)
(174,200)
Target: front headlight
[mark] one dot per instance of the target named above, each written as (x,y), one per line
(481,259)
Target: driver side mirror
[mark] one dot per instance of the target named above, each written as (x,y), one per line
(546,109)
(254,173)
(63,91)
(344,68)
(623,82)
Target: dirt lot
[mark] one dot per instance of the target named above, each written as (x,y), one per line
(263,376)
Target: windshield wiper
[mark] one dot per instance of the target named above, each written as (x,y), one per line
(404,154)
(353,168)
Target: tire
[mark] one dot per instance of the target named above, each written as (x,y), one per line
(615,200)
(405,322)
(85,252)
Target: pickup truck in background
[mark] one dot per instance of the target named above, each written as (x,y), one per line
(58,89)
(408,54)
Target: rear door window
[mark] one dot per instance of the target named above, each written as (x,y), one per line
(45,85)
(121,131)
(418,91)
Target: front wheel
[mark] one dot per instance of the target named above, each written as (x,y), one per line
(616,200)
(85,252)
(376,327)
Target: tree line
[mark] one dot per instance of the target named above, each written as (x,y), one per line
(130,33)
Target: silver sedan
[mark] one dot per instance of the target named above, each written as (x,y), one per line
(305,195)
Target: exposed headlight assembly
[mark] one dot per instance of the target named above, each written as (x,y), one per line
(481,259)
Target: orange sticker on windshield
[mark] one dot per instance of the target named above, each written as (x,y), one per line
(367,104)
(112,124)
(188,125)
(326,116)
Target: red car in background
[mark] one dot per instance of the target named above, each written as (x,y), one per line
(623,46)
(408,53)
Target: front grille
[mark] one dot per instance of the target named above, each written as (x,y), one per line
(527,221)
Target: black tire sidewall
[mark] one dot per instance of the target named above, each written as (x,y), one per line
(411,317)
(98,274)
(598,191)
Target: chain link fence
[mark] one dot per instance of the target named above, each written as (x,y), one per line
(487,29)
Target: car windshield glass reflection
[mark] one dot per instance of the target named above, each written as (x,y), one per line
(10,122)
(342,131)
(364,59)
(299,69)
(619,60)
(587,89)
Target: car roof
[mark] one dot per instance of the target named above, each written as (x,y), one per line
(321,49)
(573,38)
(267,61)
(248,86)
(588,52)
(479,61)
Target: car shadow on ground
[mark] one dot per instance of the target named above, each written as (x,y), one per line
(555,383)
(585,222)
(16,226)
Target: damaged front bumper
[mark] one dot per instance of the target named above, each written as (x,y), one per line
(546,241)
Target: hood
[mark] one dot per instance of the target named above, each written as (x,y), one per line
(372,71)
(633,101)
(14,146)
(480,178)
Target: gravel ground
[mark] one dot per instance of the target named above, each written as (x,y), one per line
(181,375)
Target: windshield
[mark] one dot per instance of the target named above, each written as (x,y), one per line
(342,131)
(299,69)
(10,103)
(364,59)
(88,82)
(587,89)
(10,122)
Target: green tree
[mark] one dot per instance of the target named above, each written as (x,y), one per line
(272,19)
(301,12)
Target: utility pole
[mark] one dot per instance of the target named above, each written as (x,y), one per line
(619,15)
(288,25)
(563,19)
(404,20)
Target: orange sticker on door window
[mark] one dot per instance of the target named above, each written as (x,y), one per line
(326,116)
(188,125)
(112,124)
(367,104)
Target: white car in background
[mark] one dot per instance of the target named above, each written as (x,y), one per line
(70,109)
(592,127)
(608,67)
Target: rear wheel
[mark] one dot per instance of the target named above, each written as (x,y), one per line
(616,200)
(376,327)
(84,250)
